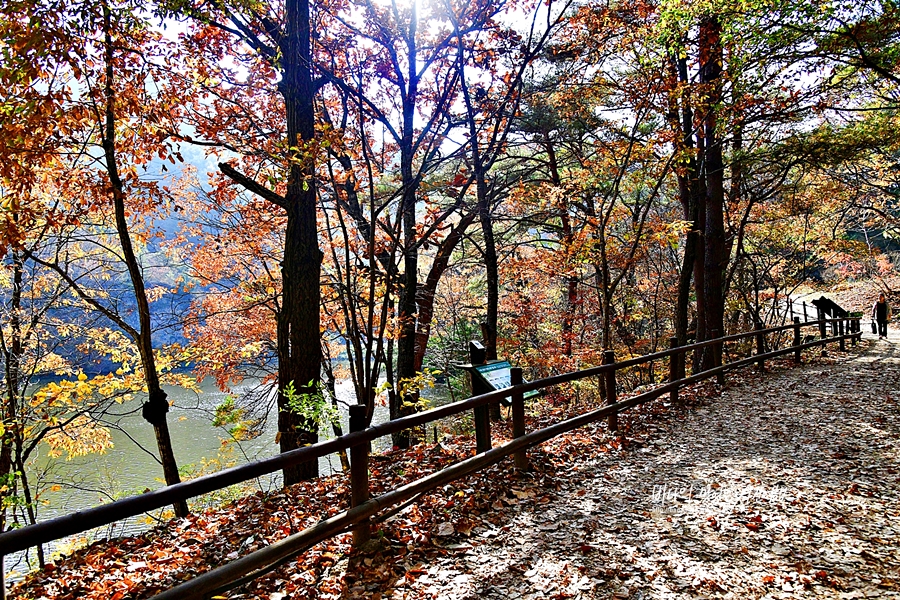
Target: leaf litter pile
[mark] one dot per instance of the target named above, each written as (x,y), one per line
(784,485)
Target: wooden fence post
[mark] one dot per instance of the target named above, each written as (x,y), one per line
(797,339)
(518,418)
(717,356)
(823,333)
(841,345)
(805,316)
(609,358)
(761,344)
(674,370)
(359,474)
(482,429)
(481,414)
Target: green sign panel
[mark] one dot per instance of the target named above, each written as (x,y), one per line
(497,375)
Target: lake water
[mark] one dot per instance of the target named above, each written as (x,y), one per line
(127,469)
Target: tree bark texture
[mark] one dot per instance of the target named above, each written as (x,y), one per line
(681,117)
(298,332)
(403,404)
(492,271)
(715,259)
(13,353)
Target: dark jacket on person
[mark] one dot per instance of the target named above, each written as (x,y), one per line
(880,311)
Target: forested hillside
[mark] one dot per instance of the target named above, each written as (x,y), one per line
(314,192)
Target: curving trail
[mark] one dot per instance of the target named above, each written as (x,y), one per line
(785,486)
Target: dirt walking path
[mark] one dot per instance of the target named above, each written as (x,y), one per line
(786,487)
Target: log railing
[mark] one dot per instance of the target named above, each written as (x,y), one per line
(362,507)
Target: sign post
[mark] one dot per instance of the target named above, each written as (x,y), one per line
(487,377)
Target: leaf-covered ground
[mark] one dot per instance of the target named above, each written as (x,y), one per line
(787,485)
(784,487)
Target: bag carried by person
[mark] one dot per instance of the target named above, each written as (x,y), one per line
(874,327)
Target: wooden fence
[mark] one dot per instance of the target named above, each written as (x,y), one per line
(362,507)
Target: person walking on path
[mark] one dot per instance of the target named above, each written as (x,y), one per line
(881,312)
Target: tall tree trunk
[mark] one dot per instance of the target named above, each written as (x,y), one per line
(492,271)
(715,258)
(604,300)
(298,335)
(406,346)
(699,263)
(155,409)
(492,277)
(402,405)
(681,118)
(13,353)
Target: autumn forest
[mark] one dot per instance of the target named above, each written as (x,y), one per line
(308,193)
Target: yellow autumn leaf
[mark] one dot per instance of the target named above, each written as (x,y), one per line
(81,437)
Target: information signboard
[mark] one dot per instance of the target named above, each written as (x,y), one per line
(497,376)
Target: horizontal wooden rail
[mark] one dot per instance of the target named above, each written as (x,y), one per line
(21,539)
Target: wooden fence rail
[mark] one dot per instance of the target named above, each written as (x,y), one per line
(362,508)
